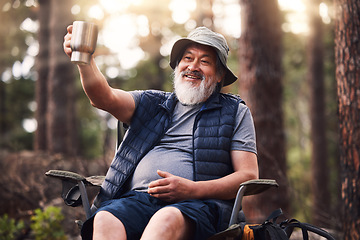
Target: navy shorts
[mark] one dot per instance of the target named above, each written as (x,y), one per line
(134,210)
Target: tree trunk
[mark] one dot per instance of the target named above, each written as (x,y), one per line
(42,66)
(62,131)
(347,45)
(261,88)
(3,111)
(319,160)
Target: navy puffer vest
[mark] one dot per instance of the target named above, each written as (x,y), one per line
(212,134)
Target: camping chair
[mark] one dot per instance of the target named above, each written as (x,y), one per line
(74,187)
(74,194)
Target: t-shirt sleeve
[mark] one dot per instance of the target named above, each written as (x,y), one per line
(244,138)
(136,95)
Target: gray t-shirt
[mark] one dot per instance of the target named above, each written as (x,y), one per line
(173,154)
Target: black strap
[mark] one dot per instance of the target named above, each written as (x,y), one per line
(275,232)
(289,225)
(72,197)
(272,230)
(274,215)
(296,223)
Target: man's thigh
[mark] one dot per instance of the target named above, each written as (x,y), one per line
(203,214)
(134,210)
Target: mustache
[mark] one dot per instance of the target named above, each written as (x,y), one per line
(194,73)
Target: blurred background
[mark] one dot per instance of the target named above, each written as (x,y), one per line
(47,122)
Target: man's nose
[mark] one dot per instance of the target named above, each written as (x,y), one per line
(194,66)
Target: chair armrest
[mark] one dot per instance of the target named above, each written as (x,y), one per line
(247,188)
(257,186)
(65,175)
(77,194)
(95,180)
(75,177)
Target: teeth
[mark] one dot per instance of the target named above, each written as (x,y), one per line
(193,77)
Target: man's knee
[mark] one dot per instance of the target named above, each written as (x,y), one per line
(170,221)
(103,218)
(170,216)
(107,225)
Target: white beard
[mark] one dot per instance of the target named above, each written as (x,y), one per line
(188,94)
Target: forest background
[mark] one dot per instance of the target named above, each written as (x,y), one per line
(47,122)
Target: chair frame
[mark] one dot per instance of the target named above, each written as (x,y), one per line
(79,193)
(247,188)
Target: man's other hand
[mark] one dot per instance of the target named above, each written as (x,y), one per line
(172,188)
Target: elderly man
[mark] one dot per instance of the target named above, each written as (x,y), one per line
(185,153)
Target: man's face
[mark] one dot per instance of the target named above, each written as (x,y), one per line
(195,76)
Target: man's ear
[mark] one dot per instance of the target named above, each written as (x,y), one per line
(220,85)
(222,79)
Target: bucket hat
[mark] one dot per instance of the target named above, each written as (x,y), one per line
(204,36)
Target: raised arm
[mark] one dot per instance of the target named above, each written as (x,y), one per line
(117,102)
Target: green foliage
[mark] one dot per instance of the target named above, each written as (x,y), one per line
(9,228)
(297,124)
(297,120)
(147,75)
(91,140)
(16,90)
(47,224)
(17,97)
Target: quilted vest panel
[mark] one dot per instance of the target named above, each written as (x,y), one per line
(212,136)
(213,131)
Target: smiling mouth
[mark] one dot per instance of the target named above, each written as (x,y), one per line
(193,75)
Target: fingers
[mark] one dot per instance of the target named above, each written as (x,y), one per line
(160,185)
(169,188)
(67,37)
(69,29)
(67,41)
(162,192)
(164,174)
(158,190)
(163,181)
